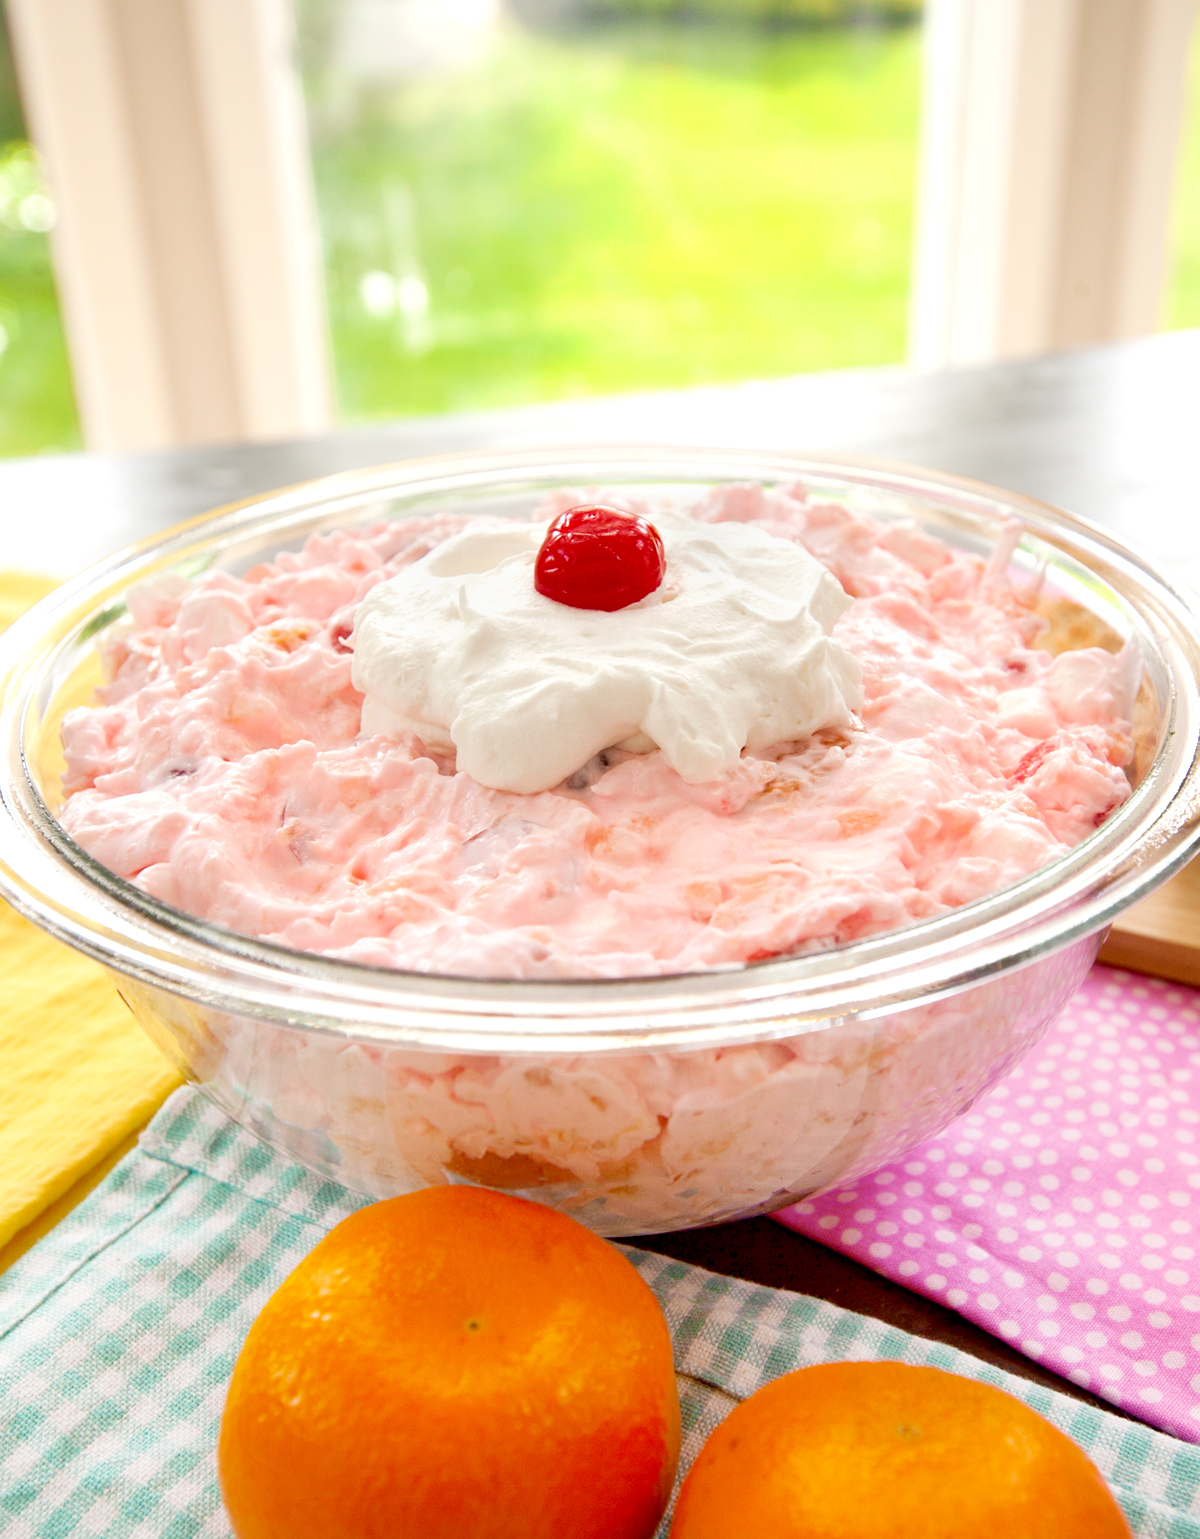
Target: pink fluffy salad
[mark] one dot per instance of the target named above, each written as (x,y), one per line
(225,772)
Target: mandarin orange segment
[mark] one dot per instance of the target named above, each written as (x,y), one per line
(454,1364)
(887,1451)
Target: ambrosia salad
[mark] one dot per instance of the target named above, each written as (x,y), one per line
(751,725)
(390,748)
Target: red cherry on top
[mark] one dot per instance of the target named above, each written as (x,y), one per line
(599,558)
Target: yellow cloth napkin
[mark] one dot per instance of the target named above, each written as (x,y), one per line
(77,1074)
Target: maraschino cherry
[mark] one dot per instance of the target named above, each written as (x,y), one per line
(599,558)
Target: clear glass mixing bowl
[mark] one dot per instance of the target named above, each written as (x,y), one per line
(641,1104)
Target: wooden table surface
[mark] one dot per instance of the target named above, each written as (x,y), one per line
(1107,432)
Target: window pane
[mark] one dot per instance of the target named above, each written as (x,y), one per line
(37,408)
(1183,291)
(568,197)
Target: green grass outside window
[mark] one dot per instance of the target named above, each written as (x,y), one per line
(667,197)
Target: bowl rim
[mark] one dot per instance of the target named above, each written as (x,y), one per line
(56,884)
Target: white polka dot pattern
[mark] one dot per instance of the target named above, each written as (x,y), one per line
(1059,1213)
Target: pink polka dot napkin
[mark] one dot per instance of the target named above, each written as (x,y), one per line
(1059,1212)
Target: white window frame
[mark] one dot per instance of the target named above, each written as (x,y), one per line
(1050,133)
(186,249)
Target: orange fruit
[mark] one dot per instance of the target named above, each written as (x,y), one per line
(884,1451)
(455,1364)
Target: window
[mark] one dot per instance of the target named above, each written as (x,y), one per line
(37,409)
(1183,290)
(568,197)
(523,200)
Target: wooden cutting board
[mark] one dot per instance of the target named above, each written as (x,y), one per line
(1161,934)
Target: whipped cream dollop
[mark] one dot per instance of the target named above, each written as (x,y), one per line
(733,651)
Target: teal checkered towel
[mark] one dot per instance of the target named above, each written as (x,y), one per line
(118,1333)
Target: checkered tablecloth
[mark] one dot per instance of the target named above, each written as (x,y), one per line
(118,1333)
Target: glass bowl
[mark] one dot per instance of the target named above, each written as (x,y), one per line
(639,1104)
